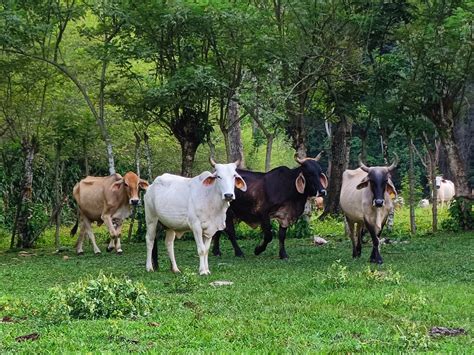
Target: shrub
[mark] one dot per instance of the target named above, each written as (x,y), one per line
(382,276)
(336,275)
(183,282)
(101,297)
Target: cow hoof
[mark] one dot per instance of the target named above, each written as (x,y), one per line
(216,253)
(176,271)
(98,253)
(149,269)
(239,254)
(204,273)
(375,261)
(80,253)
(109,249)
(119,252)
(259,250)
(284,256)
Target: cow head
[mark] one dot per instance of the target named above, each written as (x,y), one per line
(226,178)
(311,178)
(439,180)
(378,178)
(132,184)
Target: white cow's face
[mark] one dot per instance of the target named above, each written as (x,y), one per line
(438,181)
(226,178)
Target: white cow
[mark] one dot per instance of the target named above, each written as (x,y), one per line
(445,190)
(196,204)
(424,203)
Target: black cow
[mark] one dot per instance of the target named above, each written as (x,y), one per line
(280,194)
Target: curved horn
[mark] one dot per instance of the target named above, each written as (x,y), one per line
(237,162)
(213,163)
(298,160)
(394,163)
(362,165)
(319,156)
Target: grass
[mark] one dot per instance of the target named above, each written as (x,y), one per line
(320,300)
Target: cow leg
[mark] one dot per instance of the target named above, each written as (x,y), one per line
(358,231)
(201,249)
(80,239)
(281,238)
(118,230)
(267,236)
(351,230)
(230,230)
(111,245)
(169,241)
(87,228)
(207,245)
(151,224)
(375,256)
(216,249)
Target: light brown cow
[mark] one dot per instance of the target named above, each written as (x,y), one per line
(105,200)
(366,200)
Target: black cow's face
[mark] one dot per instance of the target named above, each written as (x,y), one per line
(316,181)
(378,179)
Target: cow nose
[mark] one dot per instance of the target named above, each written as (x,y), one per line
(134,202)
(228,197)
(378,202)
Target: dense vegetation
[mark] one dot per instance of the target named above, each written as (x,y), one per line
(94,87)
(319,300)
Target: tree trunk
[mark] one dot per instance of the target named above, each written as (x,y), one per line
(148,157)
(86,157)
(340,149)
(235,148)
(268,152)
(101,120)
(434,194)
(58,194)
(188,152)
(137,167)
(363,142)
(25,235)
(411,177)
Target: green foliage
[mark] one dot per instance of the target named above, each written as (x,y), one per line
(418,189)
(403,299)
(99,297)
(184,282)
(461,215)
(382,276)
(336,275)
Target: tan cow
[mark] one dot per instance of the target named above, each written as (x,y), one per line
(366,200)
(105,200)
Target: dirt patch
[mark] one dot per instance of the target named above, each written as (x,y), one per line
(32,337)
(443,331)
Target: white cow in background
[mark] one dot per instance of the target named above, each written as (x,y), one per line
(424,203)
(196,204)
(445,190)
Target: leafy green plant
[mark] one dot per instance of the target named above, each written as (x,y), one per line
(382,276)
(457,218)
(100,297)
(184,282)
(336,275)
(403,299)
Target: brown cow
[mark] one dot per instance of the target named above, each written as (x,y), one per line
(105,200)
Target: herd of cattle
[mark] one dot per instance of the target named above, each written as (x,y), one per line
(210,203)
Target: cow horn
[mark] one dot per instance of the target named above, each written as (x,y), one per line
(213,163)
(318,156)
(298,160)
(362,165)
(237,162)
(394,163)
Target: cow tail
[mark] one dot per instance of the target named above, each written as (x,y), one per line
(74,229)
(154,253)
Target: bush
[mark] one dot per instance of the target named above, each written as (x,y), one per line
(336,275)
(185,281)
(101,297)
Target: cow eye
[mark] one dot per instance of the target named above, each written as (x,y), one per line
(218,177)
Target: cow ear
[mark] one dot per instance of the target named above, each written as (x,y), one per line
(143,184)
(209,180)
(323,180)
(363,183)
(443,180)
(391,189)
(300,183)
(117,185)
(240,183)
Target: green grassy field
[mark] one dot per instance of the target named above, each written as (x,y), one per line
(319,300)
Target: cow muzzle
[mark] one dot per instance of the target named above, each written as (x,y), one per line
(379,203)
(322,192)
(229,197)
(134,202)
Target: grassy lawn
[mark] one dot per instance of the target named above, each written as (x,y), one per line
(312,302)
